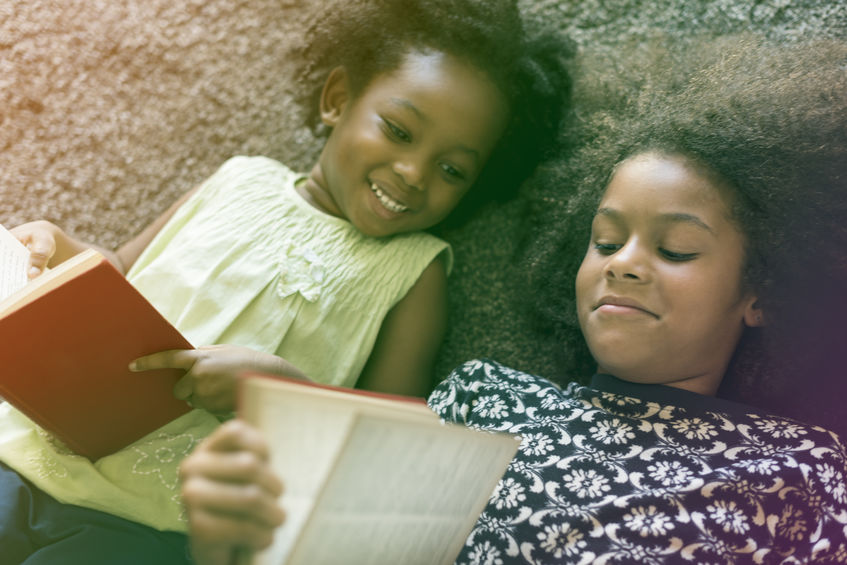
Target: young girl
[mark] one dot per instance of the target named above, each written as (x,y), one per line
(328,275)
(692,195)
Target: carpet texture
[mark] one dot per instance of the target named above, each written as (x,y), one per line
(111,110)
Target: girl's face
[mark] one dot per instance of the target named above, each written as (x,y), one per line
(406,149)
(659,292)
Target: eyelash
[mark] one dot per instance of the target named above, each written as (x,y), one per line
(399,134)
(452,171)
(612,248)
(677,257)
(396,132)
(606,248)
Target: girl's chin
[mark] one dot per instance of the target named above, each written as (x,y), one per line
(631,371)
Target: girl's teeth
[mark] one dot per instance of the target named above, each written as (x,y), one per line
(387,201)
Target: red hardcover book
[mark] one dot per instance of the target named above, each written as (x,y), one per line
(66,339)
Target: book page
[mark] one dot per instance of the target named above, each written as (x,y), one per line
(14,260)
(403,493)
(371,479)
(304,439)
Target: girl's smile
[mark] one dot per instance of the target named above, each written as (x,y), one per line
(659,292)
(621,306)
(384,198)
(405,150)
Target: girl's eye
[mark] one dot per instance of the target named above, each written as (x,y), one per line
(452,171)
(677,257)
(607,248)
(396,131)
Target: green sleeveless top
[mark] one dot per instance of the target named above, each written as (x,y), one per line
(244,261)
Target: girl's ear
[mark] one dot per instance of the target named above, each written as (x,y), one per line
(753,317)
(334,96)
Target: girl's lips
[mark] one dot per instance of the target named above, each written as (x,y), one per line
(390,203)
(622,305)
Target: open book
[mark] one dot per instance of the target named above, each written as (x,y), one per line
(66,339)
(370,478)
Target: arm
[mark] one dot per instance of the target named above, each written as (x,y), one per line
(403,356)
(230,494)
(49,245)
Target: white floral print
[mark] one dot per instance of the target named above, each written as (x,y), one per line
(586,484)
(780,428)
(536,444)
(729,516)
(605,476)
(485,554)
(670,473)
(490,407)
(833,481)
(612,432)
(695,428)
(560,541)
(648,521)
(508,494)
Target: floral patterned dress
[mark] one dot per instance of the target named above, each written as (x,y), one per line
(618,472)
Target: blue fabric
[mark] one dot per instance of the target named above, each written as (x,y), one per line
(36,529)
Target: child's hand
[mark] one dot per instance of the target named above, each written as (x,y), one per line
(230,494)
(40,238)
(212,371)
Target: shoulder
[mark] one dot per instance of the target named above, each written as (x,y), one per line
(423,307)
(783,473)
(425,246)
(485,393)
(757,434)
(254,162)
(431,285)
(245,169)
(817,456)
(247,179)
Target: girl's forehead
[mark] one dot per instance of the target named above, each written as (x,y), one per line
(439,70)
(446,92)
(657,181)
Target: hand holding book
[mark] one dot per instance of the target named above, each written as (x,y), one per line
(68,337)
(39,239)
(374,478)
(231,494)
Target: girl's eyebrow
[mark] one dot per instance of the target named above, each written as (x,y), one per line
(404,103)
(681,217)
(670,217)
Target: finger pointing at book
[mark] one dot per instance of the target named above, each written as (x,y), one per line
(212,371)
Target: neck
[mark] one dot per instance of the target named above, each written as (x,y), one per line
(700,385)
(312,191)
(703,383)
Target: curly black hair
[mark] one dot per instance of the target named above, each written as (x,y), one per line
(369,37)
(769,119)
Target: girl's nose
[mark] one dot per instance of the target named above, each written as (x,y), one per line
(411,170)
(630,262)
